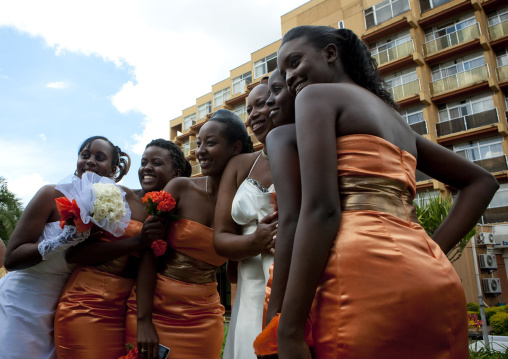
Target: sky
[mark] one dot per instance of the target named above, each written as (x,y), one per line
(121,69)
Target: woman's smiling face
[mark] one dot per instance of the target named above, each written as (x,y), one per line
(259,112)
(96,158)
(280,102)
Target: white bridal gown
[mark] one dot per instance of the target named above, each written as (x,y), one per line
(28,299)
(252,203)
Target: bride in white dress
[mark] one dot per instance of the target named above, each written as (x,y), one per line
(245,228)
(35,259)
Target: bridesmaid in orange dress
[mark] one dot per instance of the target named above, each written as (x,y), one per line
(90,319)
(364,279)
(177,300)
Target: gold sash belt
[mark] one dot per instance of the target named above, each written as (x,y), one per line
(187,269)
(377,194)
(124,266)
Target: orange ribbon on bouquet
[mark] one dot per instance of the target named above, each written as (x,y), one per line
(70,210)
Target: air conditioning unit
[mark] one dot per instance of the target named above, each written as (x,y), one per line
(485,238)
(488,262)
(492,285)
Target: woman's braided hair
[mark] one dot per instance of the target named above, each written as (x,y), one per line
(354,55)
(176,155)
(120,159)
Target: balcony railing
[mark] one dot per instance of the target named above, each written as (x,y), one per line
(498,30)
(454,38)
(408,89)
(243,116)
(394,53)
(467,122)
(420,176)
(502,73)
(196,170)
(193,145)
(494,164)
(461,79)
(495,215)
(420,127)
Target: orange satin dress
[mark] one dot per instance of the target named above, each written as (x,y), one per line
(388,291)
(187,312)
(90,317)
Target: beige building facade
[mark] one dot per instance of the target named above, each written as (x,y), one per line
(446,65)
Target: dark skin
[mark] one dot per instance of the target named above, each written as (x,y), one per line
(281,145)
(156,170)
(193,202)
(22,251)
(227,239)
(94,251)
(317,78)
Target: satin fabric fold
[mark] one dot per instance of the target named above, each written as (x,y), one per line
(187,313)
(90,317)
(387,291)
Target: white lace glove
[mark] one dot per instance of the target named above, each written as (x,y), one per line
(68,238)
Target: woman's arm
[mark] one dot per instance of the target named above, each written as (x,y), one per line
(285,167)
(96,252)
(319,218)
(476,188)
(22,251)
(228,243)
(145,287)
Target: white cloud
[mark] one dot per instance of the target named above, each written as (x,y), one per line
(26,186)
(42,136)
(29,164)
(59,85)
(177,50)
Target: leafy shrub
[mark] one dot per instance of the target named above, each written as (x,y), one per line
(499,322)
(473,307)
(489,312)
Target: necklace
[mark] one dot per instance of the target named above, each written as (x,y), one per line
(206,189)
(263,153)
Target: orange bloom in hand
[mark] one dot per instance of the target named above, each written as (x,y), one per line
(132,354)
(159,203)
(70,210)
(159,247)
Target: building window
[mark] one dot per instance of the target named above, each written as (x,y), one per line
(451,68)
(204,109)
(403,84)
(221,96)
(450,34)
(480,149)
(189,121)
(392,48)
(466,107)
(500,199)
(413,115)
(186,148)
(498,16)
(426,5)
(423,198)
(385,10)
(240,82)
(240,110)
(341,24)
(265,65)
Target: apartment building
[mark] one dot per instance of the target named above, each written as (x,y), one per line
(446,65)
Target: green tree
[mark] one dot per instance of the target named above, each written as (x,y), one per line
(431,212)
(10,211)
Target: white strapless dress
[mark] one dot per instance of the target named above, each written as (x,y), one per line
(249,206)
(28,299)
